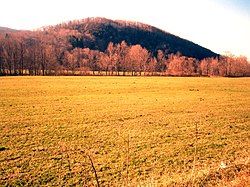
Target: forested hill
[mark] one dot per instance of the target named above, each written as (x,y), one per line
(98,45)
(96,33)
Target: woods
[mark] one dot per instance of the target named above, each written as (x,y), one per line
(49,52)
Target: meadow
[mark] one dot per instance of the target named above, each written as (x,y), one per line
(124,131)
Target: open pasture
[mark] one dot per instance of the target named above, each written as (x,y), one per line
(129,131)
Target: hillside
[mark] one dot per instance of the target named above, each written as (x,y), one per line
(6,30)
(96,33)
(105,47)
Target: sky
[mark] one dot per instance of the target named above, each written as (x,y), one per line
(219,25)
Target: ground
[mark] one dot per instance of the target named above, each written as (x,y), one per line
(130,131)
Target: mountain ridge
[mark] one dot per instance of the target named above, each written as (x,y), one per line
(102,45)
(97,32)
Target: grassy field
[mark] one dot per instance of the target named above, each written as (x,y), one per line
(131,131)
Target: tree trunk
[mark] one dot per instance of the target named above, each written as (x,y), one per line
(43,71)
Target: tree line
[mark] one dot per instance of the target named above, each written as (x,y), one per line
(43,53)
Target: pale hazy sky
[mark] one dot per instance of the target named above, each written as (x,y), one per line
(220,25)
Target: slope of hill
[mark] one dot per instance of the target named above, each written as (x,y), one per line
(6,30)
(96,33)
(54,49)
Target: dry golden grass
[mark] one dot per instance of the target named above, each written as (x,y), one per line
(136,130)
